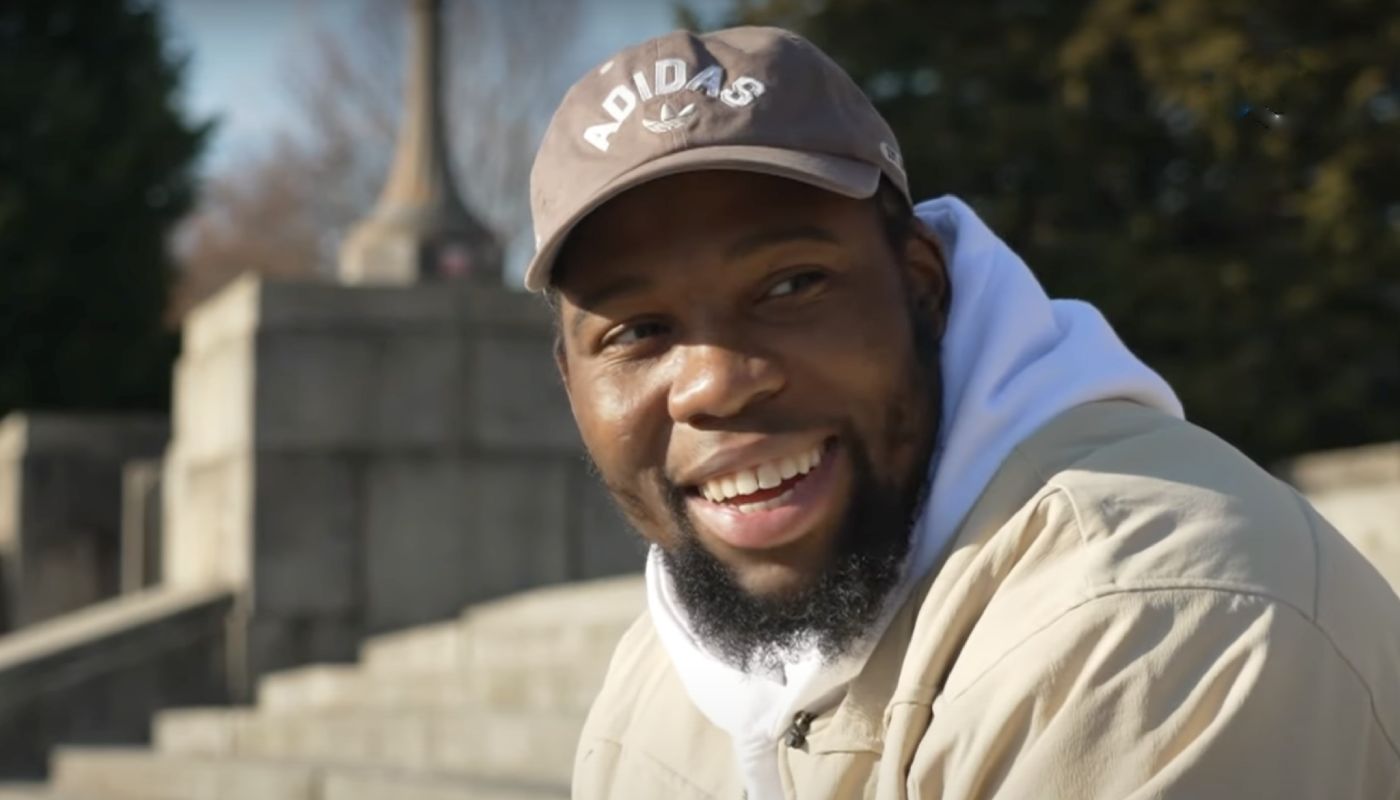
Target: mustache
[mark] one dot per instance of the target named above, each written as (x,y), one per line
(763,418)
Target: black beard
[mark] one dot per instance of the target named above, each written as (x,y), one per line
(832,614)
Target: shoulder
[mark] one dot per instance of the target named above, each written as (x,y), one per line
(1156,500)
(1168,692)
(1152,501)
(1147,509)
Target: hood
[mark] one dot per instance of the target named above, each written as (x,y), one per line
(1012,360)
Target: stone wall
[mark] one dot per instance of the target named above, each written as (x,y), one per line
(365,459)
(1358,491)
(61,507)
(97,675)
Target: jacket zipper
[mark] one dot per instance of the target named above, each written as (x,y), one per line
(797,731)
(795,736)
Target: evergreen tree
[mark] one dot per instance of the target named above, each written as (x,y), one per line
(95,167)
(1220,177)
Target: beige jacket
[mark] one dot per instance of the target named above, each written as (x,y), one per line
(1131,610)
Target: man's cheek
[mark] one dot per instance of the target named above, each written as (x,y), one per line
(647,514)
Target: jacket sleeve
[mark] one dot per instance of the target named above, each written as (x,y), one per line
(1162,693)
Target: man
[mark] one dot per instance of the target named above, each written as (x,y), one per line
(917,530)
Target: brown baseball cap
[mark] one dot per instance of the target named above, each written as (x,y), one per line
(755,99)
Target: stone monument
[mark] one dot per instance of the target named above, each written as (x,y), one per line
(420,230)
(359,457)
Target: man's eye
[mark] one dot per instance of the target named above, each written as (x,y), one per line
(631,334)
(795,284)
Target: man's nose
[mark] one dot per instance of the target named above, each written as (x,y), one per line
(715,382)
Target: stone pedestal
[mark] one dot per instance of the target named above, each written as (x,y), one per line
(61,507)
(367,458)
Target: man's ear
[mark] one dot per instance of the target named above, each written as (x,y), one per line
(561,361)
(926,268)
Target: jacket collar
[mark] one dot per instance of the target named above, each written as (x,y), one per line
(857,723)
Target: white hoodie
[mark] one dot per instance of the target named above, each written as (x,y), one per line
(1013,359)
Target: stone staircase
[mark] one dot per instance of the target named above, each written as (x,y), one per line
(485,707)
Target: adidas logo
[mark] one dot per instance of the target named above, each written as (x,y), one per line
(670,120)
(666,77)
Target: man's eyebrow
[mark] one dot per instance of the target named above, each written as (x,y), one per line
(596,297)
(772,236)
(744,246)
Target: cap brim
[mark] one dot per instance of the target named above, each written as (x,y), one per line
(844,176)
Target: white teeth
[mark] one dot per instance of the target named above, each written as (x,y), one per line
(769,475)
(788,467)
(763,476)
(746,481)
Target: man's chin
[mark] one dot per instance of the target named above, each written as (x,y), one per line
(778,572)
(774,582)
(754,613)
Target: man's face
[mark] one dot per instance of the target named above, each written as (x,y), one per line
(753,369)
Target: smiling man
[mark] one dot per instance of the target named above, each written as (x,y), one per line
(917,530)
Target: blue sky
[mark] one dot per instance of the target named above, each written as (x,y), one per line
(236,51)
(240,49)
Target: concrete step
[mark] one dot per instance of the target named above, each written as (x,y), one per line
(138,774)
(433,650)
(565,688)
(119,773)
(616,600)
(423,648)
(485,707)
(391,785)
(554,625)
(34,791)
(535,748)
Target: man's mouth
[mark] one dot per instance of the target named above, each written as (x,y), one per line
(763,486)
(771,503)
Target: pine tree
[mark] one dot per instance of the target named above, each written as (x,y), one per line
(95,167)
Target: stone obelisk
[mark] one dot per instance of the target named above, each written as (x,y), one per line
(420,230)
